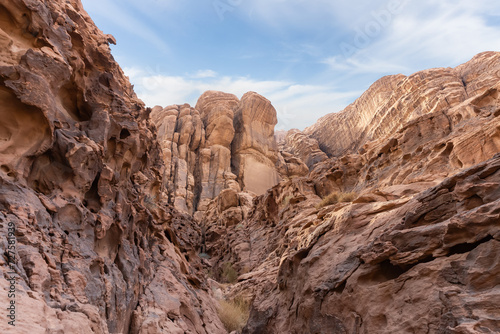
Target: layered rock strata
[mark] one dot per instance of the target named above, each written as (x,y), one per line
(415,247)
(394,100)
(304,147)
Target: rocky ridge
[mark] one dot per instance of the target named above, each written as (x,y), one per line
(221,143)
(415,250)
(113,202)
(394,100)
(88,237)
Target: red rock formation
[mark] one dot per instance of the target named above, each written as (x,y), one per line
(304,147)
(254,147)
(232,147)
(96,248)
(397,232)
(415,249)
(181,134)
(394,100)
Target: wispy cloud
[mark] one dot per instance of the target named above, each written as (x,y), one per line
(356,64)
(120,17)
(204,74)
(423,34)
(297,105)
(310,57)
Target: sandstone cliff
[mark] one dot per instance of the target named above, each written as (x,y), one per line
(400,235)
(394,100)
(93,246)
(383,218)
(221,143)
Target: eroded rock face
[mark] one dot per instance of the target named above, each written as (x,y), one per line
(394,100)
(196,145)
(351,266)
(181,133)
(415,248)
(232,147)
(303,147)
(98,249)
(254,147)
(217,110)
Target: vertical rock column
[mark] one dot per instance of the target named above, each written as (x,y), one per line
(181,133)
(214,165)
(254,148)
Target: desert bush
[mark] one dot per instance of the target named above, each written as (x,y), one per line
(229,274)
(286,200)
(150,202)
(234,313)
(337,197)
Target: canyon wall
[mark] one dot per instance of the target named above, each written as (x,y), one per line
(221,143)
(395,100)
(410,240)
(89,243)
(382,218)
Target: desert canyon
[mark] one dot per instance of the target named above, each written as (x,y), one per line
(120,218)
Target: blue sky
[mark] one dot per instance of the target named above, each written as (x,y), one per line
(309,58)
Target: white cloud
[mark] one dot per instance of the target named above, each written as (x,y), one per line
(356,65)
(204,74)
(423,34)
(297,105)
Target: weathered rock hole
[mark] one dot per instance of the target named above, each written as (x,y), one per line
(439,147)
(168,235)
(473,202)
(73,102)
(388,271)
(19,120)
(448,149)
(48,173)
(111,147)
(466,247)
(105,79)
(125,171)
(124,133)
(92,198)
(339,289)
(144,160)
(383,272)
(77,41)
(455,161)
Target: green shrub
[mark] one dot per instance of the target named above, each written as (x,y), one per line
(229,274)
(234,313)
(337,197)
